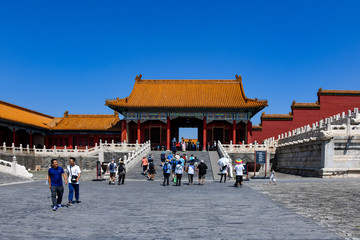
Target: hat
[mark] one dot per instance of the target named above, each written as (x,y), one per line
(239,161)
(202,161)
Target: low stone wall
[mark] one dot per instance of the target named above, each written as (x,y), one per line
(85,163)
(30,161)
(302,159)
(337,157)
(108,156)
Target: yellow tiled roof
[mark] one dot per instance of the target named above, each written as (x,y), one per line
(305,105)
(339,92)
(86,122)
(276,116)
(11,112)
(187,94)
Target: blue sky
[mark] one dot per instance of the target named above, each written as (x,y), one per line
(72,55)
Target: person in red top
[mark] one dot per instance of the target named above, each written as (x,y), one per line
(144,164)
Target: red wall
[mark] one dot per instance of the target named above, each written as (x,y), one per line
(329,106)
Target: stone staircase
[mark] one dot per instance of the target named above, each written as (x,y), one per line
(135,172)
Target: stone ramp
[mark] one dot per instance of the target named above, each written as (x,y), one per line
(214,157)
(6,178)
(135,172)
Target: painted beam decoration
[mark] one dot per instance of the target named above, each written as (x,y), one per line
(210,116)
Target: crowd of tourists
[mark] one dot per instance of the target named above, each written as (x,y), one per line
(174,166)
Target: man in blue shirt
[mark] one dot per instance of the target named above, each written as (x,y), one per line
(166,171)
(55,175)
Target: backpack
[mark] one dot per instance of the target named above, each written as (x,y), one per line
(178,168)
(121,168)
(163,156)
(166,167)
(151,166)
(112,166)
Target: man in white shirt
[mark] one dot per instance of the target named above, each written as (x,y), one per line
(74,174)
(239,169)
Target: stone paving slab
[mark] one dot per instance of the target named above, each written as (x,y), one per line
(331,202)
(148,210)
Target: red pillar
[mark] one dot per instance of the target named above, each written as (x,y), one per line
(138,132)
(249,132)
(168,133)
(30,140)
(234,132)
(204,134)
(123,130)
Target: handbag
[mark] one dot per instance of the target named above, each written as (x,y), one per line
(73,177)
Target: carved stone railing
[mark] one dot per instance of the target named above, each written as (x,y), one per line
(135,156)
(65,152)
(325,129)
(269,146)
(14,168)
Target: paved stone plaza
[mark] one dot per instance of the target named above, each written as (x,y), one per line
(147,210)
(331,202)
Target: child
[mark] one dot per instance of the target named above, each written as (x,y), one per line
(272,177)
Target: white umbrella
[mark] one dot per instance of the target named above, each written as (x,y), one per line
(223,161)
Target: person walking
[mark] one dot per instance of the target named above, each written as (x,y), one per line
(162,158)
(144,164)
(121,172)
(173,149)
(239,169)
(183,145)
(191,171)
(152,169)
(166,171)
(202,172)
(170,156)
(112,169)
(223,173)
(55,175)
(182,160)
(74,174)
(185,158)
(173,163)
(197,146)
(272,177)
(179,171)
